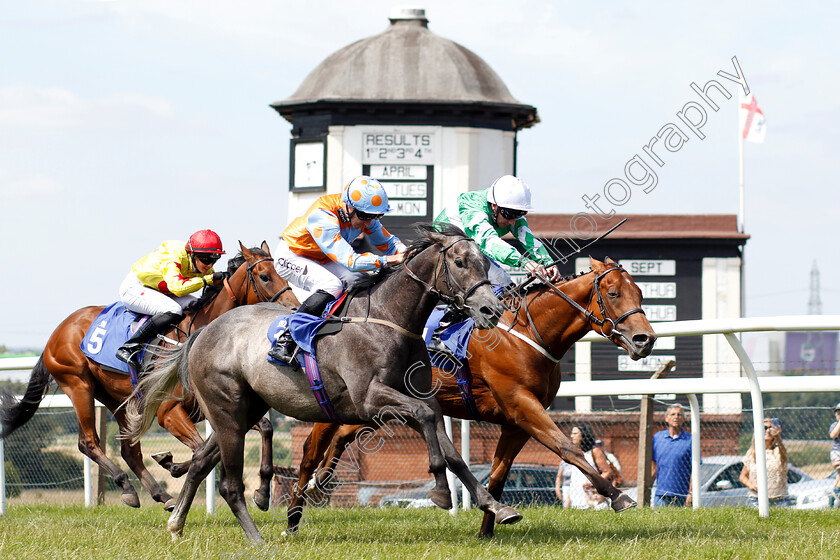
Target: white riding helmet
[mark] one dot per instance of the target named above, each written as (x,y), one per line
(510,192)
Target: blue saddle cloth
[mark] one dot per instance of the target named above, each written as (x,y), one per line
(303,327)
(108,332)
(456,337)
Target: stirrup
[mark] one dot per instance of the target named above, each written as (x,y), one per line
(126,353)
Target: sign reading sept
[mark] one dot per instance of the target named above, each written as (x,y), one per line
(398,147)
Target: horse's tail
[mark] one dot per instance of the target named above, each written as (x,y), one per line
(15,413)
(157,387)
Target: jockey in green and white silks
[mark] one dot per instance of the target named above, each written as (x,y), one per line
(487,215)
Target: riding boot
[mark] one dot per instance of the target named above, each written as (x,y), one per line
(451,317)
(284,349)
(157,324)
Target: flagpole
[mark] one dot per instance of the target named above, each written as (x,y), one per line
(741,204)
(740,169)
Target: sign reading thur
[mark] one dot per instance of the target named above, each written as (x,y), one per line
(398,147)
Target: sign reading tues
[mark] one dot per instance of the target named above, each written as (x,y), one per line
(398,147)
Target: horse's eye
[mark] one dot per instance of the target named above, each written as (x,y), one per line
(459,262)
(613,294)
(265,278)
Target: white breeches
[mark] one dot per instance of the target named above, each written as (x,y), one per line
(497,275)
(306,276)
(148,301)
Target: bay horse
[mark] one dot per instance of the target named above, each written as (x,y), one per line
(251,278)
(376,366)
(513,381)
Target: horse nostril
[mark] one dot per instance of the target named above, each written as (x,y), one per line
(641,340)
(486,311)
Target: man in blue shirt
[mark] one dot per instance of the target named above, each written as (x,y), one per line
(672,461)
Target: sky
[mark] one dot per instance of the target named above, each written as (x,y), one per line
(125,123)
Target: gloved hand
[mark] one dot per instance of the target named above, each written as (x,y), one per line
(219,276)
(536,268)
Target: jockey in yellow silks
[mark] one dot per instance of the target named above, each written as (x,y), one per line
(159,284)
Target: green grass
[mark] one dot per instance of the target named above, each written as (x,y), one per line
(338,533)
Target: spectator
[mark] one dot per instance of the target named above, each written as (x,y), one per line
(672,461)
(834,454)
(580,493)
(777,467)
(613,461)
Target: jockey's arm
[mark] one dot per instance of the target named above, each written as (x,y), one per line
(325,230)
(383,240)
(478,228)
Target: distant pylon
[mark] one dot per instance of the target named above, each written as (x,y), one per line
(814,303)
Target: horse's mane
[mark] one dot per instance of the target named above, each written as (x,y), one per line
(210,292)
(424,241)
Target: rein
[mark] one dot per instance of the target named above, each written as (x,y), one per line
(457,300)
(252,284)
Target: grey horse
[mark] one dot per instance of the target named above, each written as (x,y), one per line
(372,370)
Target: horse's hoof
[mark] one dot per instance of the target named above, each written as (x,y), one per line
(162,456)
(507,516)
(130,499)
(170,505)
(174,530)
(623,502)
(441,498)
(261,501)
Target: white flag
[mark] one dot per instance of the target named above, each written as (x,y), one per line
(753,123)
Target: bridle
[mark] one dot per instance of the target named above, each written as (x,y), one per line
(599,322)
(252,283)
(459,300)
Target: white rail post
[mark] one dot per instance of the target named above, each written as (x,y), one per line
(88,482)
(2,478)
(758,424)
(450,476)
(210,481)
(695,451)
(466,499)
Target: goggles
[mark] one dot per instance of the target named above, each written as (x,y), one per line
(511,214)
(207,258)
(364,216)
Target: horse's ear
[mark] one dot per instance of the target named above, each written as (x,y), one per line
(264,247)
(610,261)
(595,264)
(436,237)
(245,251)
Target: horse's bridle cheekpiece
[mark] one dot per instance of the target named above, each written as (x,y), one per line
(605,314)
(455,299)
(252,283)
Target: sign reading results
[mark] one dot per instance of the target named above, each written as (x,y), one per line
(398,147)
(402,160)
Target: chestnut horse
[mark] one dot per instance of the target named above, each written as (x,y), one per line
(251,279)
(513,381)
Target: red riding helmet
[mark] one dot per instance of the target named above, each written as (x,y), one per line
(205,241)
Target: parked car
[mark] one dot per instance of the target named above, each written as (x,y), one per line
(526,485)
(720,485)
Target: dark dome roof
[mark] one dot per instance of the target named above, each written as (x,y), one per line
(405,63)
